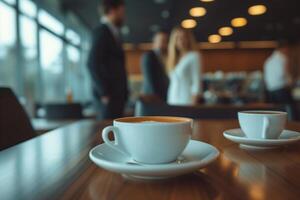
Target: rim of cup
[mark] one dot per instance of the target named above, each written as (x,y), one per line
(166,120)
(262,112)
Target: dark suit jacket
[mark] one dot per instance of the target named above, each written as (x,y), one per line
(106,64)
(156,81)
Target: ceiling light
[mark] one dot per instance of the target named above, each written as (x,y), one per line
(188,23)
(239,22)
(207,0)
(225,31)
(257,10)
(197,11)
(215,38)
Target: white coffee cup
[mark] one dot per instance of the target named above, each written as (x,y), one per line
(150,140)
(262,124)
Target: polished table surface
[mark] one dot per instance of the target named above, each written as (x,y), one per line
(56,166)
(42,125)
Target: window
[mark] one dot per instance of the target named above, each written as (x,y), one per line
(72,37)
(73,71)
(52,67)
(28,7)
(73,54)
(28,36)
(43,76)
(12,2)
(86,85)
(50,22)
(8,50)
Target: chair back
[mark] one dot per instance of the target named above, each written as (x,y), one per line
(293,110)
(15,125)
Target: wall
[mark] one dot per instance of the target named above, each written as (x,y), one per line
(235,59)
(227,60)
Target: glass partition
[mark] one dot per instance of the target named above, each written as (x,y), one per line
(52,67)
(28,36)
(50,22)
(74,77)
(73,37)
(41,57)
(12,2)
(28,7)
(8,49)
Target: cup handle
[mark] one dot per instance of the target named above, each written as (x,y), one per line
(266,125)
(113,144)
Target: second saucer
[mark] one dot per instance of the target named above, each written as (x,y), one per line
(237,136)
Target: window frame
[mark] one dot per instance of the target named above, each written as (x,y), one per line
(20,75)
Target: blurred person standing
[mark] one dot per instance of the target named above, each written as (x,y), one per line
(156,80)
(294,53)
(106,62)
(184,65)
(277,76)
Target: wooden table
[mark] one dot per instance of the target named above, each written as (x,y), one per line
(56,165)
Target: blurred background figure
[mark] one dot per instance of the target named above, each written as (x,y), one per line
(107,62)
(153,66)
(184,64)
(277,75)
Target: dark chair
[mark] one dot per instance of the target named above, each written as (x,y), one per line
(293,110)
(15,126)
(146,107)
(61,111)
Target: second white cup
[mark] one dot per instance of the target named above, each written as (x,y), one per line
(262,124)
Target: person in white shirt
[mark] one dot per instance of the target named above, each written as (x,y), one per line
(277,77)
(184,66)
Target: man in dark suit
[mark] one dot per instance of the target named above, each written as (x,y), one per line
(156,80)
(106,62)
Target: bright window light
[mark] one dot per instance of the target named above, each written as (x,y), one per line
(50,22)
(28,7)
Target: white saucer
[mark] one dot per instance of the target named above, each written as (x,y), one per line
(237,136)
(195,156)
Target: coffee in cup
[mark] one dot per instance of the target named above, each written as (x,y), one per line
(151,140)
(262,124)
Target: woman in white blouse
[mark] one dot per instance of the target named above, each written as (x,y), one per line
(184,68)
